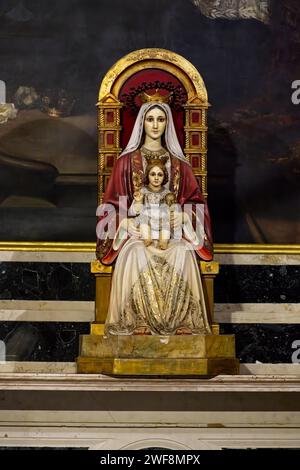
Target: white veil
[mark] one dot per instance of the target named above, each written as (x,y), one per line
(171,139)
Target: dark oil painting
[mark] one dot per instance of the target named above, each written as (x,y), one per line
(54,55)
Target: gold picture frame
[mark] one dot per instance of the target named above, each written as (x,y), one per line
(219,248)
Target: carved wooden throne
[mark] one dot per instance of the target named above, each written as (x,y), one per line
(153,68)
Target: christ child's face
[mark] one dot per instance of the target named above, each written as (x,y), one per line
(156,177)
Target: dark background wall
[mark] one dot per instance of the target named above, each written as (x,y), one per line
(72,43)
(248,68)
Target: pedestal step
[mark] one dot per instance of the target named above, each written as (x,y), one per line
(156,346)
(158,367)
(158,355)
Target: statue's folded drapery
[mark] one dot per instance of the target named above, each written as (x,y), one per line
(162,291)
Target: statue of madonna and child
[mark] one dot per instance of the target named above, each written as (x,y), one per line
(153,225)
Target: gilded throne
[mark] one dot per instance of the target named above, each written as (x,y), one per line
(150,71)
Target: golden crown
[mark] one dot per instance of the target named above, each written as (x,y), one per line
(156,97)
(157,161)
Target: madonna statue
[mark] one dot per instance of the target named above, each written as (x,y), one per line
(156,287)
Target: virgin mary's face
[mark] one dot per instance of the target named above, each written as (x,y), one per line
(155,123)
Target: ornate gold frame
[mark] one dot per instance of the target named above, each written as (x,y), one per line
(219,248)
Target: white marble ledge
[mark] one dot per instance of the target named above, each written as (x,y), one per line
(47,310)
(37,367)
(46,257)
(102,383)
(258,259)
(257,313)
(142,437)
(84,311)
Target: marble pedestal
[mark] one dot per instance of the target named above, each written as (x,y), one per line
(187,355)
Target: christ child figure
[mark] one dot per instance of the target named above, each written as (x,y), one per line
(153,205)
